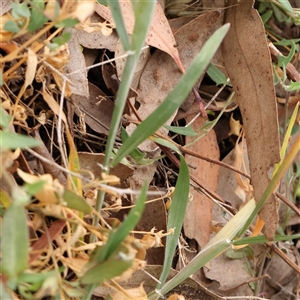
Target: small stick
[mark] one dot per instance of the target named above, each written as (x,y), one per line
(200,102)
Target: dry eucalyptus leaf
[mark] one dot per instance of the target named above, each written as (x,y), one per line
(198,215)
(95,39)
(120,64)
(5,6)
(54,106)
(95,109)
(248,63)
(90,161)
(177,23)
(90,56)
(279,271)
(77,62)
(160,34)
(31,68)
(229,273)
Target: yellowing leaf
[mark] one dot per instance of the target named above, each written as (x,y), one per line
(235,126)
(53,104)
(31,68)
(52,191)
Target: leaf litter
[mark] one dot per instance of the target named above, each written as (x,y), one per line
(65,73)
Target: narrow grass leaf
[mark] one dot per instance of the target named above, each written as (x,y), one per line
(187,131)
(266,16)
(240,253)
(119,22)
(216,75)
(215,247)
(262,239)
(3,292)
(14,241)
(37,278)
(176,217)
(165,143)
(136,154)
(287,6)
(9,140)
(5,118)
(203,258)
(106,271)
(76,202)
(141,27)
(73,165)
(287,135)
(175,97)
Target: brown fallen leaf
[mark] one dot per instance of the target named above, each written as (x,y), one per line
(198,215)
(120,64)
(5,6)
(96,109)
(95,39)
(248,63)
(43,242)
(91,161)
(77,62)
(160,34)
(230,274)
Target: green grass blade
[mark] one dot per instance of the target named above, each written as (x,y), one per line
(175,98)
(10,140)
(119,22)
(262,239)
(187,131)
(14,241)
(106,270)
(176,216)
(141,27)
(206,255)
(216,75)
(215,247)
